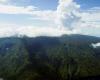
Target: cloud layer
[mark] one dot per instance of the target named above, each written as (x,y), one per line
(31,31)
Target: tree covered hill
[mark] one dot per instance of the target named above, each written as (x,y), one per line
(69,57)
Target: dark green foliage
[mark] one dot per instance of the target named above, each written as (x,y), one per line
(49,58)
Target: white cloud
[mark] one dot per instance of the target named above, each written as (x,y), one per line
(89,22)
(9,9)
(65,13)
(30,10)
(3,1)
(68,19)
(64,10)
(31,31)
(92,15)
(70,16)
(96,45)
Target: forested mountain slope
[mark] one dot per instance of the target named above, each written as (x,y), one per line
(50,58)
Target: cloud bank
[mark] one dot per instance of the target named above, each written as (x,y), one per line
(31,31)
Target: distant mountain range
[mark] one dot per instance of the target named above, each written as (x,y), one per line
(69,57)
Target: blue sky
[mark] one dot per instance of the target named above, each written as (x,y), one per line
(52,4)
(41,4)
(85,4)
(49,17)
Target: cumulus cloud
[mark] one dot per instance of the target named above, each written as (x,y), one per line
(96,45)
(66,13)
(71,16)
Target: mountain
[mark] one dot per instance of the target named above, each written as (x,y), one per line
(69,57)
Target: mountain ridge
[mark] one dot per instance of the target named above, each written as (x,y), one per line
(46,58)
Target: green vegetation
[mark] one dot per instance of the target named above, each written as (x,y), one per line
(49,58)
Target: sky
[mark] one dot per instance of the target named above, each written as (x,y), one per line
(49,17)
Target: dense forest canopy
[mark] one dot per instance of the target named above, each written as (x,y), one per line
(49,58)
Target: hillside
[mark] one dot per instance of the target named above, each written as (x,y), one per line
(69,57)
